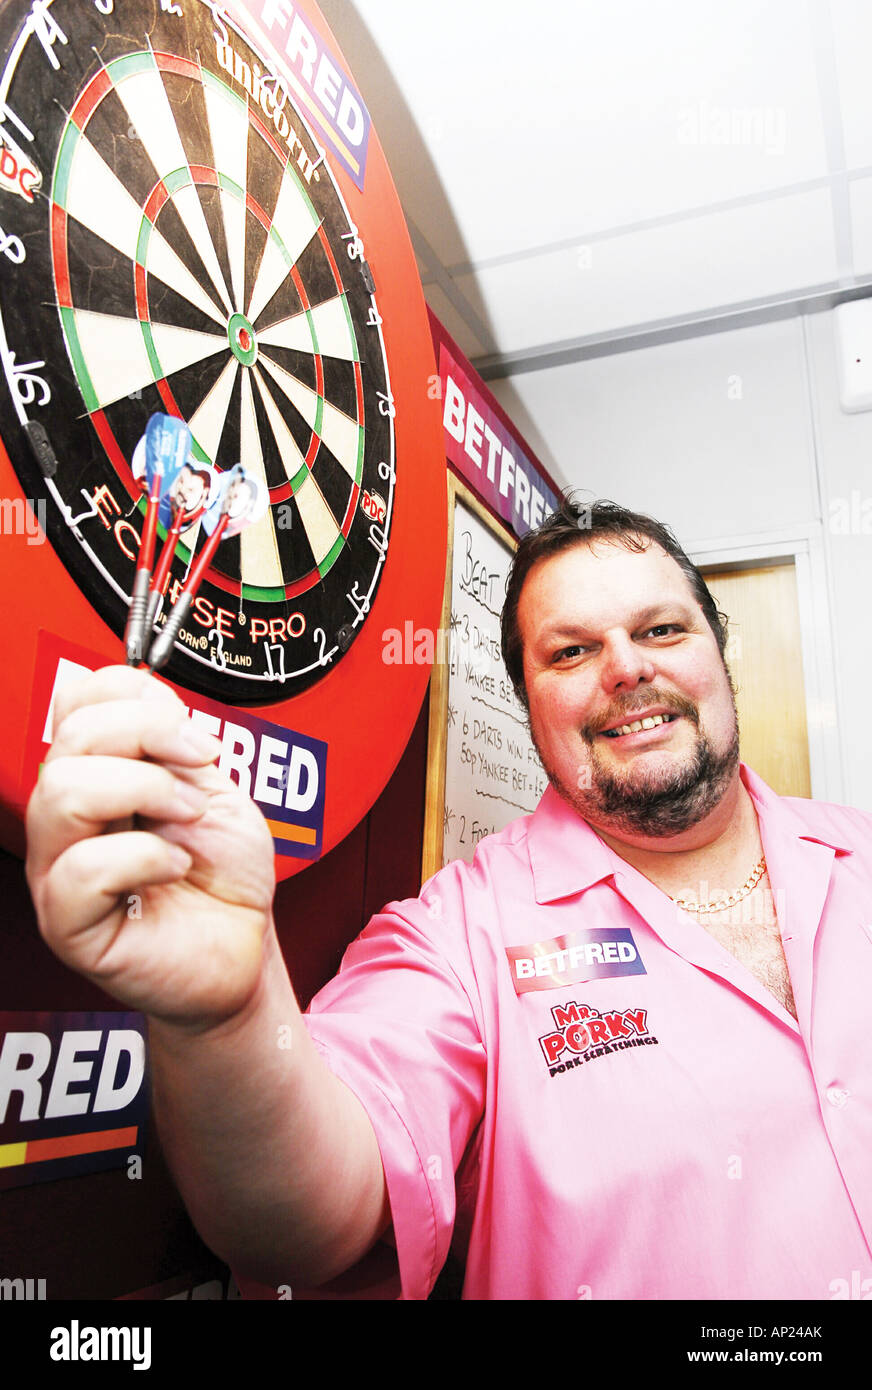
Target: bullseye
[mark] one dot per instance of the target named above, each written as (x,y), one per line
(243,343)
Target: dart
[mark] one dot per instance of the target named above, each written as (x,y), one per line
(191,493)
(157,459)
(242,500)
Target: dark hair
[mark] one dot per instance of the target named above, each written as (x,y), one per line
(577,524)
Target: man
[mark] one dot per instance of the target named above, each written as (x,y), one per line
(189,490)
(599,1093)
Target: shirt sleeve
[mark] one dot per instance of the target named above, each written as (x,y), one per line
(400,1025)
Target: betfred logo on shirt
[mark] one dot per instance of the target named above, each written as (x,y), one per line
(583,1033)
(577,958)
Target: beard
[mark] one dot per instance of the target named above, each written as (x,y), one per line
(658,802)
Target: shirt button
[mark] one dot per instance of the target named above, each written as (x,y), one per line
(837,1096)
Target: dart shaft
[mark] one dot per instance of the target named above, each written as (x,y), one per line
(149,534)
(166,555)
(204,559)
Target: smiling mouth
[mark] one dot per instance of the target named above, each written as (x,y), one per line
(634,727)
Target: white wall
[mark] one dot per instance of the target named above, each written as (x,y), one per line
(731,435)
(844,447)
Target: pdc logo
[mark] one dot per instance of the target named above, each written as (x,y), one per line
(16,176)
(582,1034)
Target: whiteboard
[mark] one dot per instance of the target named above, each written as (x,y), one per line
(492,773)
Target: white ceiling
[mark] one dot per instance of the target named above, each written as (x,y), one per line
(577,174)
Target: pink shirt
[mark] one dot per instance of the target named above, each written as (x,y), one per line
(629,1112)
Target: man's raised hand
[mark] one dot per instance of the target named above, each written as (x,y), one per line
(151,872)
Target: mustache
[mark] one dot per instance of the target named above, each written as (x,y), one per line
(623,712)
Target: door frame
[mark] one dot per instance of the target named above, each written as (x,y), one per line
(805,547)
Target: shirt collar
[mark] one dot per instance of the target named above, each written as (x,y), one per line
(567,856)
(790,812)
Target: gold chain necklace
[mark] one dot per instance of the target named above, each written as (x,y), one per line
(747,887)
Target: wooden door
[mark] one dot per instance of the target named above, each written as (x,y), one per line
(765,658)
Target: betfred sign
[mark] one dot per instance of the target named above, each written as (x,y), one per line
(484,449)
(317,81)
(283,772)
(73,1094)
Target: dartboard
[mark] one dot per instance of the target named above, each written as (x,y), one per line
(183,247)
(181,234)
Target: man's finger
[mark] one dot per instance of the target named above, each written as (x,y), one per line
(85,883)
(134,729)
(110,683)
(67,806)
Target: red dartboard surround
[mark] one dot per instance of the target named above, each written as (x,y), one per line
(163,249)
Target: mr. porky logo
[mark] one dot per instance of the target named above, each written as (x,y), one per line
(582,1033)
